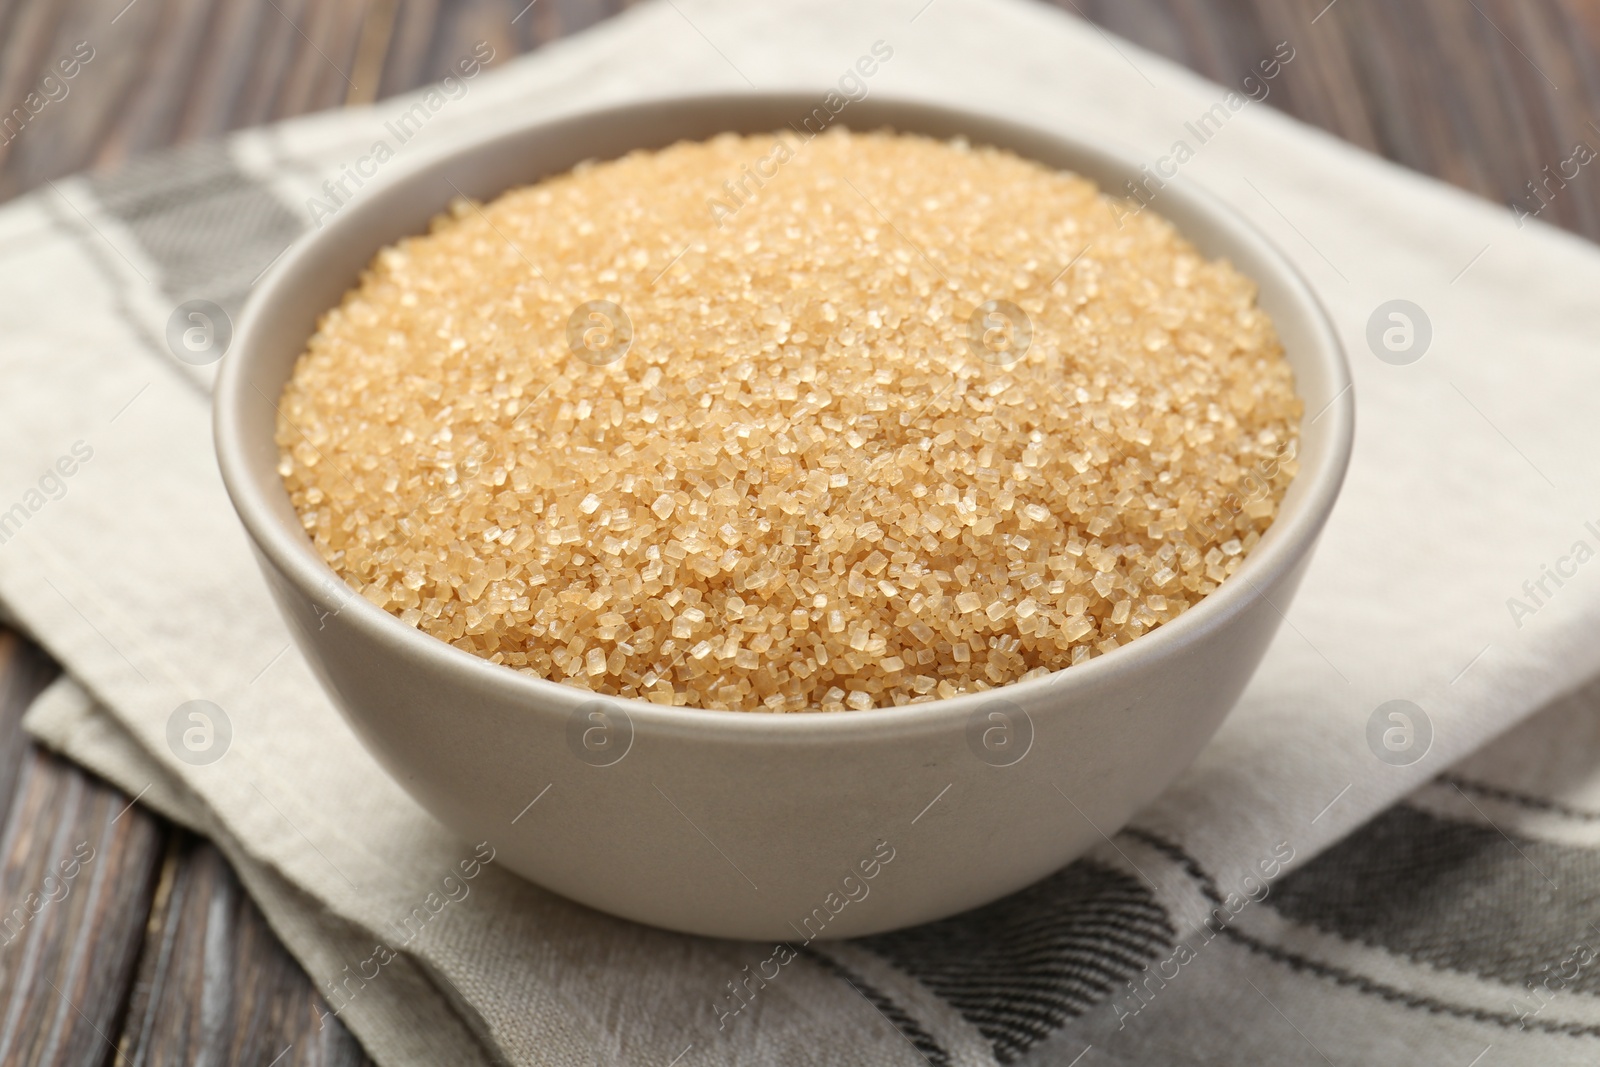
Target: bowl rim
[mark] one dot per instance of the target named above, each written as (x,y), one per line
(295,557)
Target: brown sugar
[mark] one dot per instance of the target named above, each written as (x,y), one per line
(882,420)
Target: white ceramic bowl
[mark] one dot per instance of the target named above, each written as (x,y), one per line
(760,825)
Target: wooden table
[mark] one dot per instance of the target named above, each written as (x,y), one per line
(157,956)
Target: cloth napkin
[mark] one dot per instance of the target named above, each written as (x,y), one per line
(1238,919)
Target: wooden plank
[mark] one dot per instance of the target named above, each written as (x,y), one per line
(24,673)
(168,71)
(77,865)
(1482,95)
(123,939)
(214,985)
(154,948)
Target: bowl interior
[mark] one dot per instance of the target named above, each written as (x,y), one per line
(313,276)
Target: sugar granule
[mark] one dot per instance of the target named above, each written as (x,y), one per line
(901,420)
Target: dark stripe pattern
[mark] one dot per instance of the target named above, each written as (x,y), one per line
(1330,873)
(1415,1001)
(1521,800)
(1019,968)
(898,1017)
(1455,895)
(209,228)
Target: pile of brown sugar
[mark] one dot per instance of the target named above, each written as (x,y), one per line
(900,419)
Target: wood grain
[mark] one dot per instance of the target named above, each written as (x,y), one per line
(153,954)
(75,887)
(1481,93)
(168,71)
(214,985)
(126,940)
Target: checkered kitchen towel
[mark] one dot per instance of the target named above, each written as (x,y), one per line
(1386,856)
